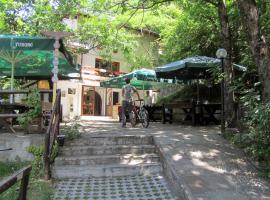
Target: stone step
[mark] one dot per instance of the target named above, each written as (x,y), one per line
(128,159)
(112,140)
(106,150)
(78,171)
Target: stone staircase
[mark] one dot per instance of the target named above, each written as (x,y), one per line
(107,156)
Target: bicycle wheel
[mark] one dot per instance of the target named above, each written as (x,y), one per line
(133,119)
(144,118)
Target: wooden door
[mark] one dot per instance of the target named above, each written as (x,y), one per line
(88,100)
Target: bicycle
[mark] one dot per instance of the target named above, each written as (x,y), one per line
(139,115)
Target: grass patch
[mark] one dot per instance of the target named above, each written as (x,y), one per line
(37,187)
(8,168)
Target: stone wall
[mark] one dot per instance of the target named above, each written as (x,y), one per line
(18,143)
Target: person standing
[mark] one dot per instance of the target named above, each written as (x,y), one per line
(127,93)
(148,99)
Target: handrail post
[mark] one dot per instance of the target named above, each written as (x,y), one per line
(52,132)
(23,187)
(47,156)
(21,175)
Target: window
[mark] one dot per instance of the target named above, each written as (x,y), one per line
(115,66)
(115,98)
(102,64)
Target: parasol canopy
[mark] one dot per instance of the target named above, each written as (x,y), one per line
(32,58)
(196,67)
(142,79)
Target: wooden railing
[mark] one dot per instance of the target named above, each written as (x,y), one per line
(51,134)
(22,175)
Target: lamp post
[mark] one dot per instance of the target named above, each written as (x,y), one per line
(222,54)
(57,36)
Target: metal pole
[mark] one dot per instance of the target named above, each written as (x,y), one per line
(106,102)
(11,98)
(55,66)
(222,99)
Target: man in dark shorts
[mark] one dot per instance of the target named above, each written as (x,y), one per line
(127,93)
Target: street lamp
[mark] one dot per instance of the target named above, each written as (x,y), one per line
(57,36)
(222,54)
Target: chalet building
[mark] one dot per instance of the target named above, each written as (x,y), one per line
(85,97)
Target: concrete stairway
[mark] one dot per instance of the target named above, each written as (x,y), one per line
(107,156)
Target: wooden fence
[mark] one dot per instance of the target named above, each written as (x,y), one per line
(22,175)
(51,134)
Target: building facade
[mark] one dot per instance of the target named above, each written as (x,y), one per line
(85,97)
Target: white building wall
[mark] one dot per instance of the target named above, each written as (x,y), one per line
(88,60)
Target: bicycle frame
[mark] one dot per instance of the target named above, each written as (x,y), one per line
(139,114)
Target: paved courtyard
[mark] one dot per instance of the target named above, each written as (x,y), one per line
(205,165)
(114,188)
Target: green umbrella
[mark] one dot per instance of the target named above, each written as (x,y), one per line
(120,82)
(142,79)
(196,67)
(31,58)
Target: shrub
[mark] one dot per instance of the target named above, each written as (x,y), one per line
(71,131)
(37,163)
(34,104)
(256,140)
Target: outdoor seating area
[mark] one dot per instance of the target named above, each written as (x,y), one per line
(135,100)
(196,98)
(26,67)
(10,111)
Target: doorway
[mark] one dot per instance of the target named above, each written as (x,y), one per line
(88,100)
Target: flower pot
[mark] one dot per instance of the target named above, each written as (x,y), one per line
(61,140)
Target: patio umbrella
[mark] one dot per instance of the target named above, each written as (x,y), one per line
(119,82)
(141,79)
(196,67)
(31,58)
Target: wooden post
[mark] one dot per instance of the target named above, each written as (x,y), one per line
(47,156)
(23,187)
(163,114)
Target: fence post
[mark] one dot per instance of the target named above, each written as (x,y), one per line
(47,156)
(23,187)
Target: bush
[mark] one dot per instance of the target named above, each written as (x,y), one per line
(37,163)
(34,104)
(256,140)
(71,131)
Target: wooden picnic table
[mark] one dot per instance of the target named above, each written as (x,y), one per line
(10,111)
(202,113)
(199,113)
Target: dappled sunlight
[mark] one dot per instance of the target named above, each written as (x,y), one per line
(199,154)
(205,165)
(197,173)
(177,157)
(201,157)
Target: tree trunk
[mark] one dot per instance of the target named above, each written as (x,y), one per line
(251,22)
(230,118)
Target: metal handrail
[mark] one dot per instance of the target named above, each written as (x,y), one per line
(51,134)
(22,175)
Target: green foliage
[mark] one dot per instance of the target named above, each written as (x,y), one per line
(255,138)
(71,130)
(189,92)
(33,102)
(37,163)
(38,153)
(37,187)
(9,167)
